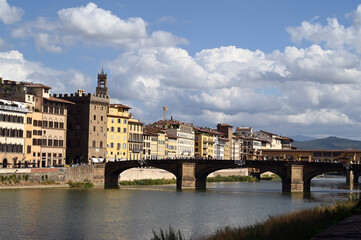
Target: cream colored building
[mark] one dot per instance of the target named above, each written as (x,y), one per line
(185,136)
(171,146)
(46,122)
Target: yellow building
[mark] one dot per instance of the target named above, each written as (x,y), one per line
(135,139)
(117,132)
(204,143)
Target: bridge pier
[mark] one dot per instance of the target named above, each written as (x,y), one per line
(293,181)
(187,178)
(111,181)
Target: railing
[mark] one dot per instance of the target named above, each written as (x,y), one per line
(17,109)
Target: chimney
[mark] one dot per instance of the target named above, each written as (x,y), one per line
(80,92)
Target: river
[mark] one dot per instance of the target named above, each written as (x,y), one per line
(132,213)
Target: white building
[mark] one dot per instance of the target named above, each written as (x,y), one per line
(12,128)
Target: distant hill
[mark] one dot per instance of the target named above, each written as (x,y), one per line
(330,143)
(301,138)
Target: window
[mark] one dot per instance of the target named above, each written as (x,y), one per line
(94,129)
(101,129)
(93,143)
(112,129)
(51,124)
(124,145)
(125,130)
(119,120)
(95,117)
(101,118)
(112,120)
(119,129)
(101,144)
(125,121)
(56,124)
(119,146)
(111,145)
(61,125)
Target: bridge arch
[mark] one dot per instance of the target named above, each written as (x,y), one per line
(114,169)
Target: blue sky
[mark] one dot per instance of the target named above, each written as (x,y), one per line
(289,67)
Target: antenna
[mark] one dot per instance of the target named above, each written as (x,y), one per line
(164,112)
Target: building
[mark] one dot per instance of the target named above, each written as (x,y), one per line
(204,143)
(12,139)
(87,124)
(227,131)
(46,122)
(185,136)
(135,139)
(158,142)
(171,146)
(117,132)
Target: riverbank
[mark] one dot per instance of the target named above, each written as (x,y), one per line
(303,224)
(218,178)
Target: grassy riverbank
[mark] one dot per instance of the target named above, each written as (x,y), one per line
(85,184)
(217,178)
(303,224)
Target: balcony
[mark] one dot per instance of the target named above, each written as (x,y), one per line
(14,109)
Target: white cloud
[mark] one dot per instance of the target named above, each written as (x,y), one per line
(13,66)
(334,34)
(9,14)
(93,25)
(169,19)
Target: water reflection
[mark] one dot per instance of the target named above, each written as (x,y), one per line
(132,213)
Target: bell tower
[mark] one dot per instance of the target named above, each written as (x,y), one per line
(102,88)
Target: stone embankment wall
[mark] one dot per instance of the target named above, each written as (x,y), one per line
(37,174)
(94,173)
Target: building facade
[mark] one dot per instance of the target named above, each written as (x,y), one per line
(117,132)
(12,130)
(87,124)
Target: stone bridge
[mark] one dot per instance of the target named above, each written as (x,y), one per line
(191,173)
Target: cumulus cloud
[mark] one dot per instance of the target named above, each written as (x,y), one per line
(296,90)
(93,25)
(13,66)
(299,86)
(334,35)
(8,14)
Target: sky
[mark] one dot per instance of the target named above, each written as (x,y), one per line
(283,66)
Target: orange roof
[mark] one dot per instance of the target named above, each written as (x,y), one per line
(58,100)
(116,105)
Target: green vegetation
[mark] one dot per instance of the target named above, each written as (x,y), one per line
(85,184)
(270,177)
(149,182)
(13,179)
(170,235)
(217,178)
(47,182)
(303,224)
(232,178)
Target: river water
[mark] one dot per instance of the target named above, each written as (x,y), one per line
(132,213)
